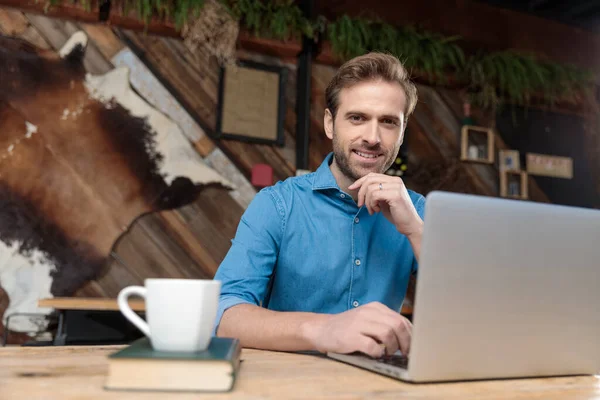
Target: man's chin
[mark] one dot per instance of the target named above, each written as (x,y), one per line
(359,172)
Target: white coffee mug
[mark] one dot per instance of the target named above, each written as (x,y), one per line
(180,313)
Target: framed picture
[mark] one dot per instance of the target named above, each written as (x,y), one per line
(509,160)
(251,104)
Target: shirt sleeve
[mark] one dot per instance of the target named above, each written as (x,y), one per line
(420,207)
(247,268)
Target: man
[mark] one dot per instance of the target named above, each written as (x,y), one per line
(322,261)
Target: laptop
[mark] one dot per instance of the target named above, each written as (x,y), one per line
(505,289)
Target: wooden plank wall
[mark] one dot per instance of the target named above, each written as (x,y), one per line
(196,83)
(189,242)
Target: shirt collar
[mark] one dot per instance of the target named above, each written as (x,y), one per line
(323,178)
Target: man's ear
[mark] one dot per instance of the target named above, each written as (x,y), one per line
(328,123)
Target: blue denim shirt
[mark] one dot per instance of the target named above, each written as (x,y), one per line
(304,245)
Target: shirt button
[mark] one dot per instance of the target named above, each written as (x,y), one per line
(342,195)
(355,303)
(357,262)
(356,220)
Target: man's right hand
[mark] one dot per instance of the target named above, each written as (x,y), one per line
(365,329)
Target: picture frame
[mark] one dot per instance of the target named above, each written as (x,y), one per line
(251,103)
(509,160)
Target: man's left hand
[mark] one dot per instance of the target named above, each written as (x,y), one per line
(387,194)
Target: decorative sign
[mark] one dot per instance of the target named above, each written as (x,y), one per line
(554,166)
(252,103)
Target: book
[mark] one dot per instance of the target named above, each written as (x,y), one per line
(140,367)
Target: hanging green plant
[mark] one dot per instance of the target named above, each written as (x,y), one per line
(178,11)
(282,20)
(495,78)
(490,78)
(424,51)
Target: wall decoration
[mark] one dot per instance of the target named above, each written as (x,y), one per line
(546,165)
(477,144)
(81,157)
(252,103)
(514,184)
(509,160)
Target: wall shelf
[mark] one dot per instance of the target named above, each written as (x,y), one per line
(514,188)
(477,144)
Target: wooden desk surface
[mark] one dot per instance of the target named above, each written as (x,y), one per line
(103,304)
(88,303)
(66,373)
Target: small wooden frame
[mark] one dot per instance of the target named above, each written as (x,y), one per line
(467,151)
(509,160)
(506,187)
(553,166)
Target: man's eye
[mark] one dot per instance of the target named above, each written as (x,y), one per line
(390,122)
(356,118)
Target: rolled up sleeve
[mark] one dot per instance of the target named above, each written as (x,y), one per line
(247,268)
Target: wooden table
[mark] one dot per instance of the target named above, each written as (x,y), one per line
(65,373)
(88,303)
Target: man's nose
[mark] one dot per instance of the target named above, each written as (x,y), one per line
(372,135)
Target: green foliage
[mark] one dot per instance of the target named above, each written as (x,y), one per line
(281,20)
(274,19)
(424,51)
(177,10)
(510,76)
(490,78)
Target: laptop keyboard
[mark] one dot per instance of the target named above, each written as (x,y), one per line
(395,360)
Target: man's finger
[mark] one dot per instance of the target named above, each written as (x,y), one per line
(369,346)
(376,197)
(383,333)
(358,183)
(401,326)
(405,337)
(364,188)
(371,194)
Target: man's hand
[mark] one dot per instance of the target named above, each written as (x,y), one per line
(365,329)
(379,192)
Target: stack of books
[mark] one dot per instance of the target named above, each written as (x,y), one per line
(140,367)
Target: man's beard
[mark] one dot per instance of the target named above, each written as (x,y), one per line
(343,163)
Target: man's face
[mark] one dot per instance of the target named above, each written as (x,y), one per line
(368,128)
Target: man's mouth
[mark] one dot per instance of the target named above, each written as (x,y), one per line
(366,155)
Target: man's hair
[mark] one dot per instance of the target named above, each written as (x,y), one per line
(371,67)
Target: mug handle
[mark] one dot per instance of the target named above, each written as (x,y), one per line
(128,312)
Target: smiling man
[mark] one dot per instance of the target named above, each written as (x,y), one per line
(322,261)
